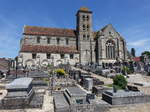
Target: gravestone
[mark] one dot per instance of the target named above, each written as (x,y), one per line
(20,93)
(88,83)
(124,97)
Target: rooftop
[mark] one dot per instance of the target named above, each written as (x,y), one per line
(35,30)
(84,9)
(48,49)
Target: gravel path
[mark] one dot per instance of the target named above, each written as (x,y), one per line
(101,78)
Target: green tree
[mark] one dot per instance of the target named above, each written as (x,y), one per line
(120,82)
(146,53)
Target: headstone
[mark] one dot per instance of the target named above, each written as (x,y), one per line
(124,97)
(88,83)
(19,94)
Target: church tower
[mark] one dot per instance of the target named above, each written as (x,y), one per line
(84,35)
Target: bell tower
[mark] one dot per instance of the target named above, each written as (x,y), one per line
(84,35)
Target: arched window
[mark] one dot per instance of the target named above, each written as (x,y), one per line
(84,27)
(87,27)
(87,17)
(83,17)
(88,37)
(110,49)
(84,37)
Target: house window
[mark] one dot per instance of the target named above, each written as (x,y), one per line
(48,55)
(34,56)
(38,39)
(48,40)
(58,41)
(67,41)
(71,56)
(62,56)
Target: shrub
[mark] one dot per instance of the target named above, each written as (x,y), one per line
(49,66)
(120,82)
(60,72)
(128,70)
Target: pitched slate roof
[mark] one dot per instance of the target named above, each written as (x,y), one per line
(34,30)
(48,49)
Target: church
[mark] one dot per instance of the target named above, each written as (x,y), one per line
(41,46)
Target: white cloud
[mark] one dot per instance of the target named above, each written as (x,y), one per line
(137,36)
(139,43)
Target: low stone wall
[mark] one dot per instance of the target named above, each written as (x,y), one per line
(125,100)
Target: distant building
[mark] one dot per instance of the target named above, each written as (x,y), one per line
(40,45)
(137,59)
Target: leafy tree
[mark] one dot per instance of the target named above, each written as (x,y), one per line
(146,53)
(120,82)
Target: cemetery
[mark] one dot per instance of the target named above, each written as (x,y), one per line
(77,69)
(74,88)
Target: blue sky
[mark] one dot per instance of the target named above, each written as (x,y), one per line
(131,18)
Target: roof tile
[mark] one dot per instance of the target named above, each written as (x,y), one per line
(48,49)
(34,30)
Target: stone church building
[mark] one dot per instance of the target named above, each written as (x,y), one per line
(41,45)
